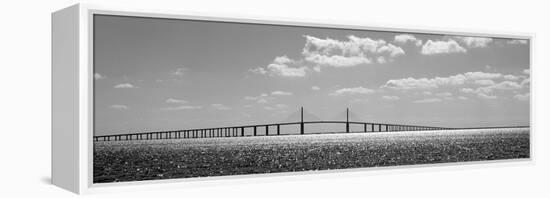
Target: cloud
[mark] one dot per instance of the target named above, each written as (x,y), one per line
(118,107)
(258,70)
(124,86)
(444,94)
(337,60)
(522,97)
(269,108)
(482,75)
(487,91)
(284,70)
(412,83)
(220,107)
(504,85)
(526,82)
(381,60)
(262,98)
(180,71)
(526,71)
(175,101)
(315,88)
(433,83)
(406,38)
(281,93)
(98,76)
(467,90)
(428,100)
(462,97)
(484,82)
(486,96)
(333,53)
(483,93)
(518,41)
(282,66)
(481,84)
(392,50)
(355,51)
(182,107)
(281,106)
(511,77)
(442,47)
(475,42)
(352,91)
(317,68)
(390,97)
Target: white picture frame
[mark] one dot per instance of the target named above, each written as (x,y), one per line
(72,91)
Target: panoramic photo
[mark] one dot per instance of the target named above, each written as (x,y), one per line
(177,98)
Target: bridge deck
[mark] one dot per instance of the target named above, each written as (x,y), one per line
(239,131)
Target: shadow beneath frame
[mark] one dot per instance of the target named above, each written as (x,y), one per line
(46,180)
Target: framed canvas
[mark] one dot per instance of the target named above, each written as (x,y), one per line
(149,97)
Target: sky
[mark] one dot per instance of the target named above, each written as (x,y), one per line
(155,74)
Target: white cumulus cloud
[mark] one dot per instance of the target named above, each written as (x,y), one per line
(182,107)
(436,82)
(442,47)
(522,97)
(315,88)
(475,42)
(180,71)
(406,38)
(175,101)
(486,96)
(518,41)
(355,51)
(98,76)
(281,93)
(124,86)
(282,66)
(352,91)
(220,107)
(484,82)
(390,97)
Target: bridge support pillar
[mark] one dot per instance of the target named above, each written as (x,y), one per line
(278,129)
(302,120)
(347,120)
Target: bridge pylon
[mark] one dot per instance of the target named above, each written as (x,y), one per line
(302,120)
(347,120)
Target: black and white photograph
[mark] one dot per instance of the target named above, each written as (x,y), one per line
(182,98)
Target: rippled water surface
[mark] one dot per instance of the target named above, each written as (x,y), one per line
(117,161)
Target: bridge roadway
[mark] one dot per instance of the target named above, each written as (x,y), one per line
(239,131)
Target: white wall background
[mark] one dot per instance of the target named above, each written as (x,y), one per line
(25,102)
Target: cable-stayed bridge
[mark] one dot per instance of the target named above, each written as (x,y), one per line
(271,129)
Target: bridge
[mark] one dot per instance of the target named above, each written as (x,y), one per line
(239,131)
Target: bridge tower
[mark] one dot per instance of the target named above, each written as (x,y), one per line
(347,120)
(302,120)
